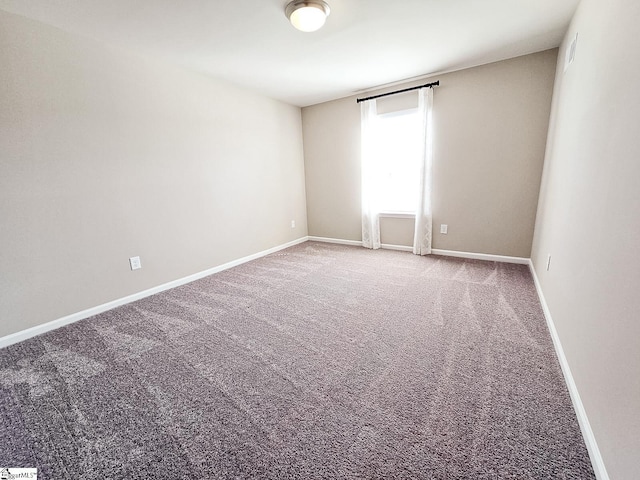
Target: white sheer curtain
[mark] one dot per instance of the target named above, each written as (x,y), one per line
(370,211)
(423,225)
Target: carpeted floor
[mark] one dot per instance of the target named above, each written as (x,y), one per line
(319,361)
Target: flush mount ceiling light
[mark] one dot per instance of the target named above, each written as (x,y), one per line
(307,15)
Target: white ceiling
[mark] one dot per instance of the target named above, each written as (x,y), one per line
(364,44)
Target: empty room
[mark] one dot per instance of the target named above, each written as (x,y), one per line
(319,239)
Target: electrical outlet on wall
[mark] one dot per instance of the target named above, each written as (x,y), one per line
(135,263)
(293,224)
(444,228)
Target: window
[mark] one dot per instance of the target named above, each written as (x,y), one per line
(395,162)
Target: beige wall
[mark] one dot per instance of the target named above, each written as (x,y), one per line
(589,221)
(105,155)
(396,231)
(490,132)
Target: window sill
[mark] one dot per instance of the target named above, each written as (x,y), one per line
(397,215)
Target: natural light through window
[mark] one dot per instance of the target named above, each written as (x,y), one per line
(396,161)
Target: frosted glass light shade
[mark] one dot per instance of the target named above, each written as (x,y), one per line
(307,16)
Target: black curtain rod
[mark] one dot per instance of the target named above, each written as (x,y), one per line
(426,85)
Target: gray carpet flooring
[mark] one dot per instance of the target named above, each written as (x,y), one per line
(319,361)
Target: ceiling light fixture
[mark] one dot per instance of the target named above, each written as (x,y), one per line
(307,15)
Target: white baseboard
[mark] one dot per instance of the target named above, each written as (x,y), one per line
(74,317)
(581,414)
(402,248)
(481,256)
(339,241)
(447,253)
(358,243)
